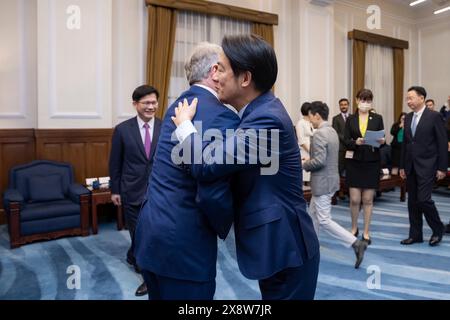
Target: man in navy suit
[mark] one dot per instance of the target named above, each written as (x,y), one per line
(423,161)
(130,163)
(275,238)
(176,235)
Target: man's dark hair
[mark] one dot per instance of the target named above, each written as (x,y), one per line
(365,94)
(143,91)
(305,108)
(252,53)
(344,99)
(419,90)
(430,100)
(318,107)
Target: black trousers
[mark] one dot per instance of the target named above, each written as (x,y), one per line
(131,213)
(341,162)
(419,201)
(297,283)
(164,288)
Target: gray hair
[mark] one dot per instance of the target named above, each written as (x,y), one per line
(204,56)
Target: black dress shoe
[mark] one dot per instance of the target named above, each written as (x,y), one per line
(410,241)
(447,228)
(356,233)
(434,240)
(133,263)
(141,290)
(359,247)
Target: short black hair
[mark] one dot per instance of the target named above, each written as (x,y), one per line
(365,94)
(143,91)
(305,108)
(430,100)
(419,90)
(344,99)
(252,53)
(321,108)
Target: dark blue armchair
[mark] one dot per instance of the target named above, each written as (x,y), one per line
(42,202)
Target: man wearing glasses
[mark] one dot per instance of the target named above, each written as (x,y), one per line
(131,160)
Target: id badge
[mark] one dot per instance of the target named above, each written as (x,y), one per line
(349,154)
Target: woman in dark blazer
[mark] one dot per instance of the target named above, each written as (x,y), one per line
(397,141)
(362,161)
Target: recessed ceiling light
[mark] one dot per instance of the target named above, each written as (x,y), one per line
(442,10)
(416,2)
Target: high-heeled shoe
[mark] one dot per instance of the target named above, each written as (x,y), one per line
(368,241)
(356,233)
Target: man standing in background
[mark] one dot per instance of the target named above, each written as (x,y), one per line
(423,160)
(130,163)
(339,125)
(430,104)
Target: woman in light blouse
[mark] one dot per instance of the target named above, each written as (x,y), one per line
(304,131)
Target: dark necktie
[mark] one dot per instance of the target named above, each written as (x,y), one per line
(147,141)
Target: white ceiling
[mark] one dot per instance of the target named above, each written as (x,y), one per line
(424,9)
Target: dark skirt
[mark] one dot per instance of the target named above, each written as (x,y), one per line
(362,174)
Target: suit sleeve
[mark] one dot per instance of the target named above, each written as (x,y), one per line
(403,150)
(337,128)
(214,198)
(215,201)
(349,142)
(244,148)
(115,161)
(319,157)
(442,141)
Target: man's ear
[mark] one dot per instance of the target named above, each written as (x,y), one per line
(246,79)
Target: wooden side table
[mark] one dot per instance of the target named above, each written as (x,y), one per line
(103,196)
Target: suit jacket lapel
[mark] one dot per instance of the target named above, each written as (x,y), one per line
(356,124)
(408,122)
(156,130)
(135,131)
(422,119)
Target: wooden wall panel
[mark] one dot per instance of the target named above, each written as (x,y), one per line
(86,149)
(99,164)
(17,146)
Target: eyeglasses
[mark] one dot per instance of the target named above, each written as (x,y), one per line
(149,103)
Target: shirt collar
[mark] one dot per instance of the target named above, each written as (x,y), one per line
(419,113)
(207,88)
(141,122)
(241,112)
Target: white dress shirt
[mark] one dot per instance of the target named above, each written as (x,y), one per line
(418,114)
(141,124)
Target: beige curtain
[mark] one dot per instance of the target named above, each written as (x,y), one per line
(399,70)
(359,67)
(265,31)
(161,41)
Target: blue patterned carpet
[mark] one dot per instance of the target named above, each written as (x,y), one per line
(39,270)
